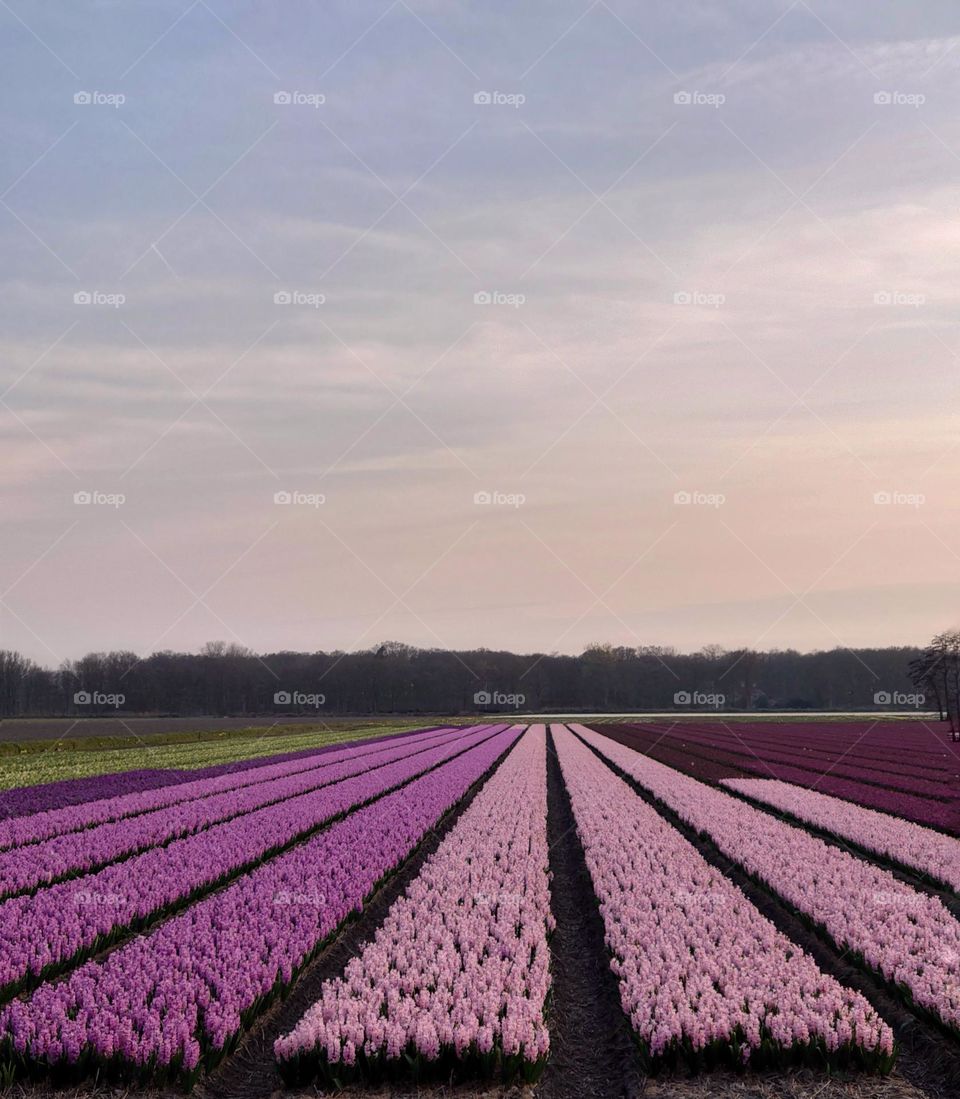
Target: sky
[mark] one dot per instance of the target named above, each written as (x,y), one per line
(460,324)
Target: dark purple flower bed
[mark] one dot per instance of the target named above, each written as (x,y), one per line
(710,753)
(23,800)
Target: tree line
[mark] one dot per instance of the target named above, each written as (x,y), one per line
(394,678)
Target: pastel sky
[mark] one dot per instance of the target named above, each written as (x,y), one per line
(674,285)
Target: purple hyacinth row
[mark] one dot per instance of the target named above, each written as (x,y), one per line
(53,926)
(172,1001)
(907,936)
(26,867)
(908,844)
(702,973)
(56,822)
(459,971)
(23,800)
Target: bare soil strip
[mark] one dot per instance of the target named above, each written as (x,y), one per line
(592,1051)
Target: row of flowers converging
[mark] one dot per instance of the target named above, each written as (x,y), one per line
(457,977)
(704,977)
(751,754)
(931,812)
(24,868)
(173,1002)
(72,818)
(933,854)
(49,930)
(859,741)
(907,936)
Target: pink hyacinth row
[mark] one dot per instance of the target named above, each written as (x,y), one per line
(171,1001)
(907,936)
(701,971)
(60,922)
(912,845)
(72,818)
(26,867)
(460,967)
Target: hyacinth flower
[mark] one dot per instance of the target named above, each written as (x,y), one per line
(456,979)
(173,1003)
(907,937)
(46,932)
(704,978)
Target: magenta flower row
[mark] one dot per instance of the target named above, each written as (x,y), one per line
(59,923)
(701,971)
(907,936)
(174,1001)
(72,818)
(24,868)
(459,971)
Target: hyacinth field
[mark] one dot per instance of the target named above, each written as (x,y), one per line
(490,906)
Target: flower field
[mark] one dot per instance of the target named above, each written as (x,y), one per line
(148,932)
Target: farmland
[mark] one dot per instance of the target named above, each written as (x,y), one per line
(556,910)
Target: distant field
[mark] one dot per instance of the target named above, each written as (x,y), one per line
(24,729)
(34,761)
